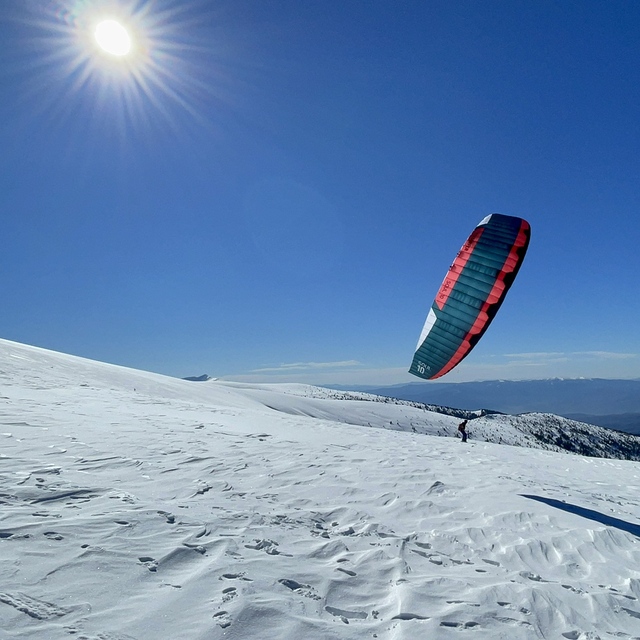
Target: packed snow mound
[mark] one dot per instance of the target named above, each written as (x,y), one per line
(137,507)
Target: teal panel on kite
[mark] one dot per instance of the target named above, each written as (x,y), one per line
(471,294)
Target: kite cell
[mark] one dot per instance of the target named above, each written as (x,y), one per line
(471,294)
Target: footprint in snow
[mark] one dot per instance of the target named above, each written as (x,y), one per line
(459,625)
(301,589)
(229,594)
(149,562)
(268,546)
(409,616)
(532,576)
(345,615)
(568,587)
(52,535)
(349,531)
(509,605)
(234,576)
(169,517)
(222,618)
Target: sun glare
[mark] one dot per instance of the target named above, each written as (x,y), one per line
(113,38)
(139,64)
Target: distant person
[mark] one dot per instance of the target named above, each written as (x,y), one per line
(462,428)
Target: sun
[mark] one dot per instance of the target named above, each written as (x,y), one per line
(113,38)
(140,64)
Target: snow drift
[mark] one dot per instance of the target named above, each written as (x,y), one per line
(137,506)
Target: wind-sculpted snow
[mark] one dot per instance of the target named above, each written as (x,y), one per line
(134,506)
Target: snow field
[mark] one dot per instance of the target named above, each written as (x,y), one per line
(136,506)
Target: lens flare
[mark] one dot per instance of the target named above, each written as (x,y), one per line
(133,67)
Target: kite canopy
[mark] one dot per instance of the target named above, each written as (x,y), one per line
(471,294)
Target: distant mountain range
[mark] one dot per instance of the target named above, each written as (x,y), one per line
(607,403)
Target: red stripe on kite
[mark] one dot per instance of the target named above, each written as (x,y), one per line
(456,268)
(495,295)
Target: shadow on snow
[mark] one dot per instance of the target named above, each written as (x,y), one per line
(590,514)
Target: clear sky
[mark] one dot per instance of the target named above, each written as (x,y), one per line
(274,189)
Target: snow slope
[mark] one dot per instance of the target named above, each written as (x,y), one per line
(535,430)
(137,506)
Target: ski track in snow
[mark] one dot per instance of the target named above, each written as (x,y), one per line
(135,506)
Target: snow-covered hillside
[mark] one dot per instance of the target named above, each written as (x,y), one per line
(535,430)
(136,506)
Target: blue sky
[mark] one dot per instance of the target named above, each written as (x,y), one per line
(274,189)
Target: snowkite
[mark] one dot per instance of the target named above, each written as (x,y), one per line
(471,294)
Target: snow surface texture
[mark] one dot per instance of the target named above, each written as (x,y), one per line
(137,506)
